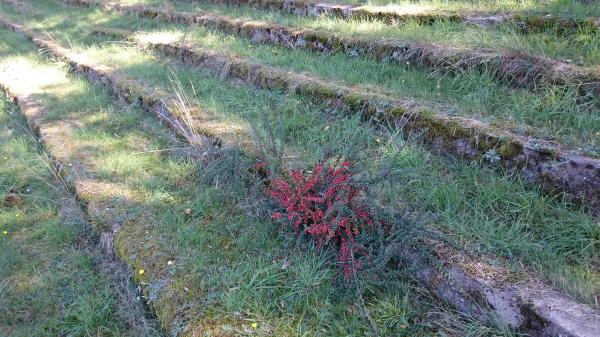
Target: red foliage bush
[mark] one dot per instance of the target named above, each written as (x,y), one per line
(324,205)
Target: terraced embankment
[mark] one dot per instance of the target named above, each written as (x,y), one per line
(577,176)
(95,143)
(103,161)
(551,113)
(395,14)
(518,69)
(126,184)
(225,274)
(341,10)
(450,134)
(501,297)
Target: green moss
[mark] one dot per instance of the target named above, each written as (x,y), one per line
(397,112)
(316,36)
(319,90)
(370,111)
(510,149)
(240,69)
(354,101)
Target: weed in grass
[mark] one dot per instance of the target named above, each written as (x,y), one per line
(325,206)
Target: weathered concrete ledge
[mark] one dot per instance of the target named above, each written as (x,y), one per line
(486,292)
(390,15)
(515,69)
(550,165)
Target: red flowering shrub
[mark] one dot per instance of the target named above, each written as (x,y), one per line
(325,206)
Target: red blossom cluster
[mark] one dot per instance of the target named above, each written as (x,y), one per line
(324,205)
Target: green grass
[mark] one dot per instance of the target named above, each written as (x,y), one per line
(226,269)
(481,211)
(581,47)
(549,113)
(227,266)
(48,285)
(559,7)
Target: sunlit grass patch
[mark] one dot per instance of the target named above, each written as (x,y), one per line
(44,288)
(549,112)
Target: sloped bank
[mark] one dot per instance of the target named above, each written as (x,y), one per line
(539,161)
(111,203)
(22,6)
(470,286)
(519,70)
(340,10)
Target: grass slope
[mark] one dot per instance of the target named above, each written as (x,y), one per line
(580,47)
(214,269)
(559,7)
(227,273)
(481,211)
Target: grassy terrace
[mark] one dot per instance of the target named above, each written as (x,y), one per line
(579,48)
(573,8)
(463,198)
(52,282)
(226,273)
(227,267)
(550,113)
